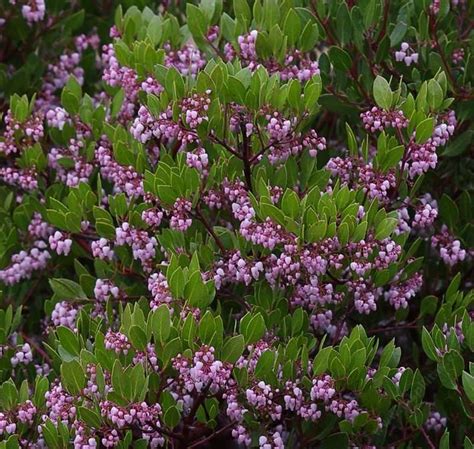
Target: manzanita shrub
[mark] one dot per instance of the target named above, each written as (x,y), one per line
(236,225)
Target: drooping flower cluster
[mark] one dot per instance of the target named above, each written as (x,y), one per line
(180,215)
(74,152)
(296,64)
(118,342)
(377,119)
(30,131)
(158,287)
(147,419)
(406,54)
(449,248)
(202,373)
(24,263)
(60,243)
(359,174)
(143,246)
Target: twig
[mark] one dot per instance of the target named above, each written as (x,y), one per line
(246,156)
(37,348)
(427,438)
(213,435)
(209,229)
(330,36)
(393,328)
(383,30)
(225,145)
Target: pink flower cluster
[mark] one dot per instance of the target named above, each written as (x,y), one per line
(143,246)
(23,179)
(118,342)
(296,65)
(365,295)
(435,422)
(102,249)
(146,418)
(23,413)
(180,215)
(188,60)
(268,234)
(60,243)
(195,109)
(125,179)
(358,174)
(104,289)
(201,374)
(158,287)
(377,119)
(17,136)
(198,159)
(64,314)
(58,74)
(236,193)
(448,247)
(57,117)
(24,263)
(82,168)
(22,356)
(32,10)
(399,293)
(145,126)
(406,54)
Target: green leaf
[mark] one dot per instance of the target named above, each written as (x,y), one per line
(66,289)
(138,338)
(91,418)
(382,93)
(417,391)
(161,323)
(171,349)
(265,365)
(172,417)
(351,141)
(444,442)
(197,292)
(255,329)
(309,37)
(454,364)
(445,377)
(344,23)
(449,211)
(197,22)
(468,385)
(428,345)
(392,157)
(339,58)
(459,145)
(435,95)
(68,340)
(424,130)
(321,361)
(242,10)
(385,228)
(73,377)
(292,26)
(398,33)
(155,29)
(360,231)
(233,349)
(336,440)
(290,203)
(50,434)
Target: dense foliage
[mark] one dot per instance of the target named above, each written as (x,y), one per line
(236,225)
